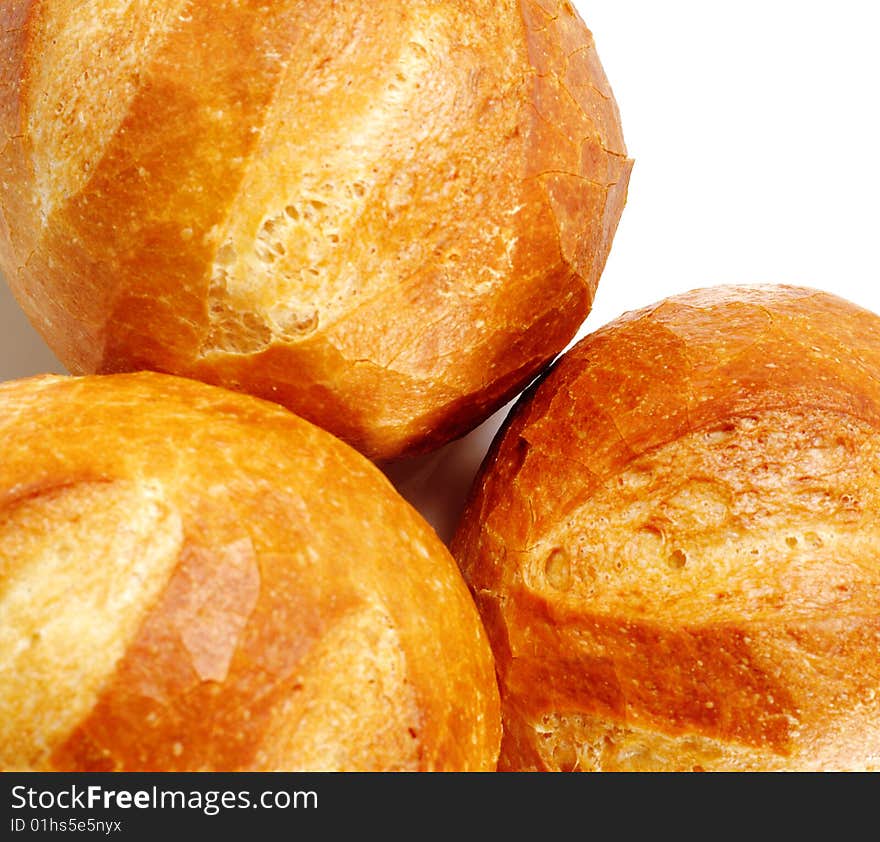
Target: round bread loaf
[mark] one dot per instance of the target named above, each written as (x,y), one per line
(386,216)
(192,579)
(675,547)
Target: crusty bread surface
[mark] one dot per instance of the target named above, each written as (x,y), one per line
(386,216)
(674,542)
(192,579)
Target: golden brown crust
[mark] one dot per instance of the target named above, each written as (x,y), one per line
(387,217)
(672,541)
(195,579)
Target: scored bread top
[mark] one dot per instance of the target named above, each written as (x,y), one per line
(387,216)
(673,539)
(192,579)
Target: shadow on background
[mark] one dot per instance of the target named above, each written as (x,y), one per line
(438,484)
(23,352)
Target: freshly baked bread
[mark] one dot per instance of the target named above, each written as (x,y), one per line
(386,215)
(192,579)
(675,547)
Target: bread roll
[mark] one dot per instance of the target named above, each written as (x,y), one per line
(675,547)
(386,216)
(192,579)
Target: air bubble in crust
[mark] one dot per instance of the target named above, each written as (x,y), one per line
(557,569)
(677,559)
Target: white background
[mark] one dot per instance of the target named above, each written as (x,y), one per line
(755,130)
